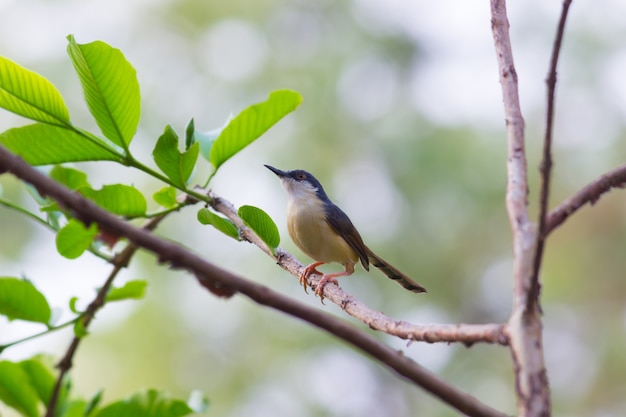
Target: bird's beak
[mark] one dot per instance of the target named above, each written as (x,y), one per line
(278,172)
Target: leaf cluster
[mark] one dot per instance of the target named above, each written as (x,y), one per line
(112,94)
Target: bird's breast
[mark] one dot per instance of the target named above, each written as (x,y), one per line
(309,230)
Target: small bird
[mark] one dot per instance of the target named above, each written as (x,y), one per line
(326,234)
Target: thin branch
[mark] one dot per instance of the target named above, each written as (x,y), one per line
(591,193)
(29,214)
(431,333)
(524,327)
(37,335)
(65,364)
(532,302)
(209,274)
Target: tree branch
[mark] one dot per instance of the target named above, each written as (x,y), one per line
(591,193)
(524,326)
(431,333)
(546,164)
(209,274)
(120,261)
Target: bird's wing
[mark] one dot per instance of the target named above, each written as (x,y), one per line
(340,223)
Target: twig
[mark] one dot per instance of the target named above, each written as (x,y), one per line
(206,272)
(532,302)
(591,193)
(524,327)
(431,333)
(38,335)
(26,213)
(65,364)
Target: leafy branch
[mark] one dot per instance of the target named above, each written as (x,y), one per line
(112,95)
(119,262)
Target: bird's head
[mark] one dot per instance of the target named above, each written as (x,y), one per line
(300,184)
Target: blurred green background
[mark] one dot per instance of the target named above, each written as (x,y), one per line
(402,121)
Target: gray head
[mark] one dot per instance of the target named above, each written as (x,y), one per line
(299,181)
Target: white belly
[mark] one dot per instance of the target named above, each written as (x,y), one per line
(314,236)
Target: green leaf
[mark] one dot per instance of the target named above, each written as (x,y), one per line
(74,238)
(93,403)
(262,224)
(176,165)
(41,377)
(19,299)
(119,199)
(41,144)
(30,95)
(70,177)
(205,216)
(252,123)
(16,391)
(205,139)
(131,290)
(151,403)
(166,197)
(75,408)
(79,329)
(110,87)
(73,302)
(189,130)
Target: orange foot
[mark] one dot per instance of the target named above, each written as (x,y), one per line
(322,283)
(332,278)
(308,271)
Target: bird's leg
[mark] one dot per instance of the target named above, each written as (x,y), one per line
(332,278)
(308,271)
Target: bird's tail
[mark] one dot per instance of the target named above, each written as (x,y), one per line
(393,273)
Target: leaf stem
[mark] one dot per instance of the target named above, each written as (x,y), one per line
(27,213)
(140,166)
(163,212)
(43,333)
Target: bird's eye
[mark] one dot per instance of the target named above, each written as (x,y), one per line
(300,177)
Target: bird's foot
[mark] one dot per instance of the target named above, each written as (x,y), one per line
(310,269)
(319,290)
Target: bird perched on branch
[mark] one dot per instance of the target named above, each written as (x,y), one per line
(326,234)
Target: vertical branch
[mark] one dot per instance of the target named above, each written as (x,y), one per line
(546,164)
(65,364)
(524,326)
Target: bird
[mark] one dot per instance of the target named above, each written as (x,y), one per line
(326,234)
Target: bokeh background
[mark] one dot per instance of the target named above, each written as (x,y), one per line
(403,123)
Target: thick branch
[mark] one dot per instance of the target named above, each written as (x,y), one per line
(431,333)
(209,274)
(524,327)
(591,193)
